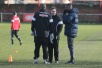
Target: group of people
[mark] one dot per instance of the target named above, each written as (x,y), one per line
(46,28)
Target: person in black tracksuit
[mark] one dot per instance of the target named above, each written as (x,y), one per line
(40,28)
(56,30)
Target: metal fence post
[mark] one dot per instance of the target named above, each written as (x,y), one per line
(1,17)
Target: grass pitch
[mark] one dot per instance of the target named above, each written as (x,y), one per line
(88,48)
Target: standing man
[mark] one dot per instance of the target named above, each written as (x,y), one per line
(40,28)
(70,19)
(15,26)
(56,30)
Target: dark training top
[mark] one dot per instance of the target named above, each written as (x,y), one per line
(41,23)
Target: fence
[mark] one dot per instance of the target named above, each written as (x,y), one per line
(96,18)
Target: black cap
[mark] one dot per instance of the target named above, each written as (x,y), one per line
(69,4)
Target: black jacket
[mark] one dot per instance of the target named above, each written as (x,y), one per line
(41,23)
(56,26)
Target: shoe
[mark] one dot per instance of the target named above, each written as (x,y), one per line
(45,62)
(49,62)
(12,43)
(70,62)
(21,43)
(56,62)
(35,61)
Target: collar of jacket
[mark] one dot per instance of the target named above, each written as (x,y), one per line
(70,11)
(43,10)
(54,16)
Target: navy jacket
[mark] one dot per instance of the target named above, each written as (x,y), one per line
(70,19)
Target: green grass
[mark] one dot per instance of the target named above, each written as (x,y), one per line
(88,48)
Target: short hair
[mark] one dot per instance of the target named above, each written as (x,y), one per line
(14,13)
(69,4)
(53,7)
(43,6)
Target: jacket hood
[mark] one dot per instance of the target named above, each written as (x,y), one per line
(75,10)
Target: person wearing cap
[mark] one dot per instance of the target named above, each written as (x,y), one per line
(57,26)
(15,26)
(40,28)
(70,19)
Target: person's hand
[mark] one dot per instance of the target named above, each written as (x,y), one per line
(32,33)
(51,37)
(57,36)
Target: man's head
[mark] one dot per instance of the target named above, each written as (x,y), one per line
(68,7)
(14,13)
(43,6)
(53,11)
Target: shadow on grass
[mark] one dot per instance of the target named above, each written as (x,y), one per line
(60,64)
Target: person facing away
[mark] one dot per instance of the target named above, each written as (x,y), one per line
(15,26)
(40,28)
(57,26)
(70,19)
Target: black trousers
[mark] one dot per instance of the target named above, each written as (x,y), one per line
(70,42)
(38,42)
(14,32)
(51,47)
